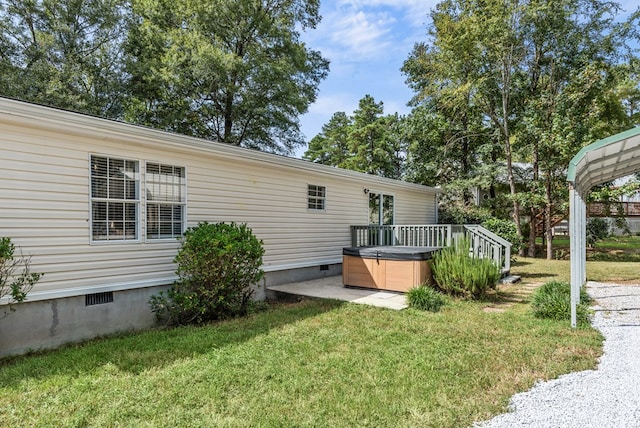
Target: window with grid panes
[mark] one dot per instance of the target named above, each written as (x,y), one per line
(316,197)
(166,200)
(115,199)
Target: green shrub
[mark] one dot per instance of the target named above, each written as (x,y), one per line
(456,272)
(217,265)
(462,215)
(621,222)
(425,298)
(16,278)
(506,229)
(597,230)
(553,301)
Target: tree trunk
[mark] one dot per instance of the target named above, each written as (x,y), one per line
(548,217)
(531,249)
(228,117)
(533,212)
(506,101)
(512,187)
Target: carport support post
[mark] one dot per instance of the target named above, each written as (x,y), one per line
(578,228)
(573,223)
(582,240)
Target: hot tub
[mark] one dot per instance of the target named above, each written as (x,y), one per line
(386,267)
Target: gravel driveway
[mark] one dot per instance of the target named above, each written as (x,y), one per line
(606,397)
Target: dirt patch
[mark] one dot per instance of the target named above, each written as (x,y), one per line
(507,295)
(493,309)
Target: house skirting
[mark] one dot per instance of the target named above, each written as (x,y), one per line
(46,324)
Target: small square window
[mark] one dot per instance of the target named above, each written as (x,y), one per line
(316,197)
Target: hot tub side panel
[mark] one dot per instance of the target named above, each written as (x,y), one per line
(393,275)
(359,272)
(403,275)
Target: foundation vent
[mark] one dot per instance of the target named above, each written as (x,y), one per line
(324,267)
(98,298)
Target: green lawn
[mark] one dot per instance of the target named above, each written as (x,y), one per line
(613,259)
(615,248)
(631,243)
(316,363)
(541,271)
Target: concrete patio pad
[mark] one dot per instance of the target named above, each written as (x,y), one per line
(332,288)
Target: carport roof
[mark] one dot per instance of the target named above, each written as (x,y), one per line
(602,161)
(605,160)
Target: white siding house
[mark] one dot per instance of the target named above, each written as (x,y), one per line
(98,205)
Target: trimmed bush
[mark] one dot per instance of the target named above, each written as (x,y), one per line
(217,265)
(425,298)
(458,273)
(553,301)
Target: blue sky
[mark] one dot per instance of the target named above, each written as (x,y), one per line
(366,42)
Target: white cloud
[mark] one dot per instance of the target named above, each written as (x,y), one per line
(352,34)
(327,105)
(364,35)
(395,106)
(365,30)
(414,12)
(366,42)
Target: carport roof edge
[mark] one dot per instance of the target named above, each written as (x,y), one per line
(578,168)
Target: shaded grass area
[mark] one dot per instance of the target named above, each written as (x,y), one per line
(614,249)
(316,363)
(616,258)
(631,243)
(540,270)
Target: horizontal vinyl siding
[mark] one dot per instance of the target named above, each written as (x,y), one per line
(44,171)
(273,202)
(45,210)
(415,209)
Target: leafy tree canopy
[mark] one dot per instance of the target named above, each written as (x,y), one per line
(532,81)
(234,71)
(64,53)
(367,142)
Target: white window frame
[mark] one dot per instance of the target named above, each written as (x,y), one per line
(381,196)
(106,199)
(314,198)
(171,192)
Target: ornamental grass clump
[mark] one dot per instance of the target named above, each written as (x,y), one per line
(553,301)
(217,265)
(457,272)
(425,298)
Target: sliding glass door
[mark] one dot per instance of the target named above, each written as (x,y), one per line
(381,209)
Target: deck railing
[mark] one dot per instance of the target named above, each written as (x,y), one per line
(483,243)
(430,235)
(487,245)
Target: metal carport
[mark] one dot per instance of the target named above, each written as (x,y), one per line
(605,160)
